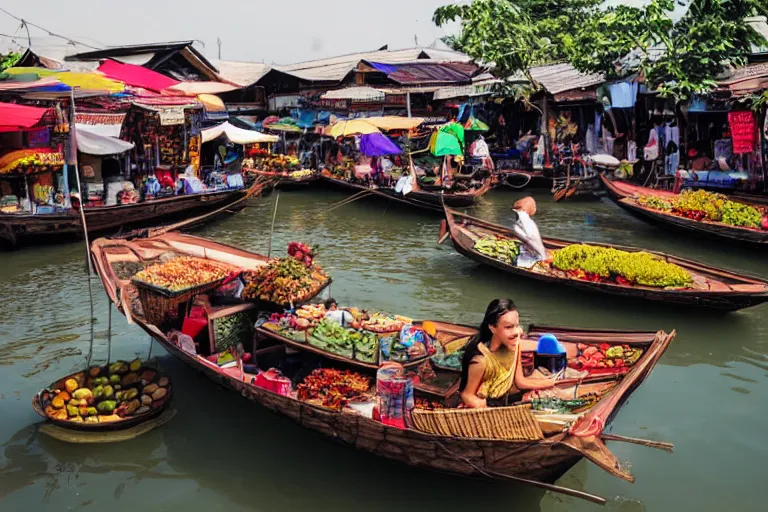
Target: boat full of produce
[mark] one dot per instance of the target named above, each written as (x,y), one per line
(117,396)
(615,270)
(401,411)
(699,212)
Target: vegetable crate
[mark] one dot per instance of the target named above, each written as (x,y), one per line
(161,306)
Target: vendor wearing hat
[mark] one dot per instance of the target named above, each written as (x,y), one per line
(525,229)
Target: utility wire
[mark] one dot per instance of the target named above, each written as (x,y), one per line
(30,24)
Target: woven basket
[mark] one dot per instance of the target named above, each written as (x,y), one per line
(507,423)
(159,306)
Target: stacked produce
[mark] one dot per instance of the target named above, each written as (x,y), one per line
(701,205)
(30,160)
(603,264)
(303,173)
(103,395)
(334,338)
(381,323)
(333,388)
(275,163)
(499,248)
(605,356)
(286,280)
(183,273)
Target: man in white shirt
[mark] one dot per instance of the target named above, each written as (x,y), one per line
(525,229)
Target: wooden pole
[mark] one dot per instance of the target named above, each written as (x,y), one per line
(73,148)
(408,103)
(272,229)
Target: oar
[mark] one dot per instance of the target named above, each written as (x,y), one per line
(660,445)
(519,480)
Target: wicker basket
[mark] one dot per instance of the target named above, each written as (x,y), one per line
(159,306)
(506,423)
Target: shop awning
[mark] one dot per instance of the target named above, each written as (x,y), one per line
(346,128)
(136,76)
(19,117)
(91,143)
(237,135)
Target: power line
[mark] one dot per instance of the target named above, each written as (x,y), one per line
(29,24)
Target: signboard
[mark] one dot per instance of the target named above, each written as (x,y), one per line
(171,116)
(39,138)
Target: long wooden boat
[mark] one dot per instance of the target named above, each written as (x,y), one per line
(623,194)
(422,198)
(17,229)
(522,178)
(715,289)
(287,182)
(534,461)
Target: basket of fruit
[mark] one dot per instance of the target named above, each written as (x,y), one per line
(117,396)
(163,287)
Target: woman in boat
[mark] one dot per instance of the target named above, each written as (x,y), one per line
(340,316)
(491,372)
(525,229)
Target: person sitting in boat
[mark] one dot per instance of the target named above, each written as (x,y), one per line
(491,372)
(525,229)
(152,187)
(191,184)
(340,316)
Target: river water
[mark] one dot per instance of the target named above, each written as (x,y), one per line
(708,396)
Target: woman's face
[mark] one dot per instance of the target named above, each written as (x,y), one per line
(507,328)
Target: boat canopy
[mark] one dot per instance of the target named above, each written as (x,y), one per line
(92,143)
(237,135)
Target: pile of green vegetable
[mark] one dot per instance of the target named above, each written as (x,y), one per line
(633,267)
(231,330)
(499,248)
(331,336)
(703,205)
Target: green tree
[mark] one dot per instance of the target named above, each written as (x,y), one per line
(8,60)
(680,59)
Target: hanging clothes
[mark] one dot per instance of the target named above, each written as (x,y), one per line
(672,148)
(623,94)
(590,139)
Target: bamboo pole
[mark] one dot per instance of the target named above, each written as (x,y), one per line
(73,147)
(272,229)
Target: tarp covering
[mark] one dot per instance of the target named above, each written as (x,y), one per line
(395,122)
(89,81)
(91,143)
(18,117)
(473,124)
(212,103)
(136,76)
(456,130)
(195,88)
(236,135)
(444,143)
(378,144)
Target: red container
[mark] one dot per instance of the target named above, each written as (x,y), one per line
(273,381)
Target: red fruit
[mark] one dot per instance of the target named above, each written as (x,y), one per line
(764,222)
(299,255)
(308,261)
(619,363)
(604,347)
(598,356)
(589,351)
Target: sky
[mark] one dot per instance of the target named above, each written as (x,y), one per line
(274,32)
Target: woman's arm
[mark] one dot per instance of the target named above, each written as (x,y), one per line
(474,379)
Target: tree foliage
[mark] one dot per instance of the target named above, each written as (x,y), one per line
(680,59)
(8,60)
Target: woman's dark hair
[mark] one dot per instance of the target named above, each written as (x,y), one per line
(330,302)
(496,309)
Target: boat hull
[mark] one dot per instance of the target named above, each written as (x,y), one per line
(424,200)
(700,229)
(724,301)
(18,229)
(544,461)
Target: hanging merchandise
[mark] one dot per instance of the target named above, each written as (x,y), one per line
(743,131)
(623,94)
(651,150)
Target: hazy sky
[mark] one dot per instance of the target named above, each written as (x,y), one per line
(282,31)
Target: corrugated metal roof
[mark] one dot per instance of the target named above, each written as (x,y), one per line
(336,68)
(425,72)
(557,78)
(241,73)
(362,93)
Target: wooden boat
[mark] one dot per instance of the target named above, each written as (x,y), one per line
(425,198)
(522,178)
(533,461)
(287,182)
(623,193)
(17,228)
(719,289)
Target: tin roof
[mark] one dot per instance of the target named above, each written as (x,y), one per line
(241,73)
(558,78)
